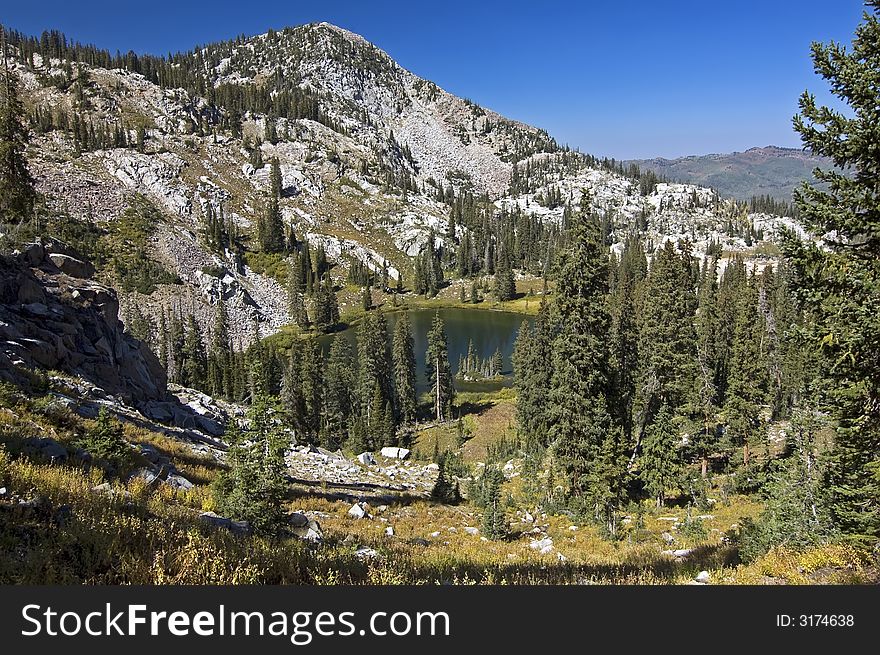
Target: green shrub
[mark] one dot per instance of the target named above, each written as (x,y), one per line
(105,442)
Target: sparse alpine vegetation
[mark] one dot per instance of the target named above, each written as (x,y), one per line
(209,267)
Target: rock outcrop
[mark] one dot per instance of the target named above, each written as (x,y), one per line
(53,317)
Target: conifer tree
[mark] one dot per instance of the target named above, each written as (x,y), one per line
(659,463)
(579,419)
(746,375)
(705,397)
(105,441)
(221,351)
(17,194)
(494,521)
(295,299)
(195,367)
(445,490)
(624,351)
(374,367)
(404,363)
(325,306)
(438,371)
(340,387)
(667,341)
(292,397)
(841,286)
(505,285)
(312,381)
(254,487)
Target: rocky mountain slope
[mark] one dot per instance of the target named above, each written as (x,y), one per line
(52,316)
(770,170)
(368,159)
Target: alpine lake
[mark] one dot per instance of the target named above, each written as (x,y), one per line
(489,330)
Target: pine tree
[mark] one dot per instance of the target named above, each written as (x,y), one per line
(505,285)
(841,285)
(445,490)
(196,365)
(17,194)
(367,298)
(438,371)
(312,391)
(659,463)
(254,487)
(176,337)
(624,352)
(326,307)
(339,398)
(292,397)
(295,300)
(579,419)
(494,522)
(746,375)
(271,228)
(404,363)
(705,395)
(374,367)
(105,442)
(221,354)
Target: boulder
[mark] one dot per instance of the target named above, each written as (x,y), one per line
(471,531)
(389,531)
(304,527)
(236,527)
(33,254)
(393,452)
(678,554)
(72,266)
(178,482)
(46,448)
(367,459)
(149,453)
(702,577)
(357,511)
(311,532)
(365,553)
(106,489)
(297,519)
(544,545)
(149,476)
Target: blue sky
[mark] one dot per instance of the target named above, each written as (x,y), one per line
(627,79)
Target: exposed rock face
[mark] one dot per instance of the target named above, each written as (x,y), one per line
(53,317)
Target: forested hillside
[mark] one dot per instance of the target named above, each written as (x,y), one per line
(215,368)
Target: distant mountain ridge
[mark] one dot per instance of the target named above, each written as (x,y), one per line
(769,170)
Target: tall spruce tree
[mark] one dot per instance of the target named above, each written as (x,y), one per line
(292,397)
(532,372)
(312,381)
(438,371)
(660,462)
(505,285)
(196,368)
(841,285)
(17,194)
(374,370)
(746,374)
(340,388)
(254,488)
(624,352)
(705,397)
(580,423)
(404,363)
